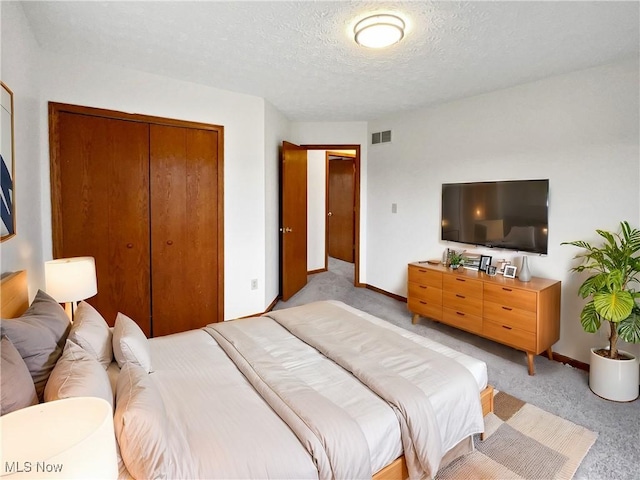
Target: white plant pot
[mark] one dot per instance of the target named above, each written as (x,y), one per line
(614,379)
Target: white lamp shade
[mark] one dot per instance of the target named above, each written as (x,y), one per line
(70,438)
(71,279)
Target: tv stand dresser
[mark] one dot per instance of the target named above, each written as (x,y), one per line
(522,315)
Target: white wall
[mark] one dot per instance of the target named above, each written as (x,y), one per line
(341,133)
(276,131)
(75,81)
(579,130)
(20,72)
(316,209)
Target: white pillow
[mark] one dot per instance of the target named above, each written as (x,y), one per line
(147,445)
(78,374)
(91,332)
(130,344)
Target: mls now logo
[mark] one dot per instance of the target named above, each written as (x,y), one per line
(28,467)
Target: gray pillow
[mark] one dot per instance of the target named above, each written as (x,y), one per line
(39,335)
(16,385)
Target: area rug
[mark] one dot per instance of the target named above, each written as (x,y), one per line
(523,442)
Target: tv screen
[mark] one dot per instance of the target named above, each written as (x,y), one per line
(509,214)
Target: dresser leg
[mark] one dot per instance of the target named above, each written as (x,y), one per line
(415,318)
(530,362)
(549,353)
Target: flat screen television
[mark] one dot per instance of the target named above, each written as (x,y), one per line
(508,214)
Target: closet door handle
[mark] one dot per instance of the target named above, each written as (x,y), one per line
(169,242)
(129,245)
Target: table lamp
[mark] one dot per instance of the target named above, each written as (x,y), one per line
(62,439)
(70,280)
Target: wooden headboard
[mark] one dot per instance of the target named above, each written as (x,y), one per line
(14,294)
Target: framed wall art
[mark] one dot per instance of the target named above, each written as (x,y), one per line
(7,179)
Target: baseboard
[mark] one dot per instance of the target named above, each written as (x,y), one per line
(569,361)
(269,308)
(384,292)
(319,270)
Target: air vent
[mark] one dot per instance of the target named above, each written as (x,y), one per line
(381,137)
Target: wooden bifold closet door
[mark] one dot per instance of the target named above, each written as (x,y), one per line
(143,196)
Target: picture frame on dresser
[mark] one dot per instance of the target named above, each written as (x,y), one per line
(510,271)
(485,261)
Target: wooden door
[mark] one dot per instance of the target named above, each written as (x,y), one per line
(100,206)
(184,222)
(341,204)
(293,227)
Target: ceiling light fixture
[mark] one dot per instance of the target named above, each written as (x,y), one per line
(379,31)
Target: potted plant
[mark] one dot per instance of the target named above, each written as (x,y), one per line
(456,259)
(614,268)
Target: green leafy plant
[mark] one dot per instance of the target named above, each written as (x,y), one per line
(615,269)
(456,258)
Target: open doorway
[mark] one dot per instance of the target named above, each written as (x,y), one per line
(335,232)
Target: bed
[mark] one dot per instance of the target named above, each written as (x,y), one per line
(313,418)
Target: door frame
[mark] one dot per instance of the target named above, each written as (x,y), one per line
(333,147)
(56,108)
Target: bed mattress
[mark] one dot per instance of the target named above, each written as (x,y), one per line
(214,404)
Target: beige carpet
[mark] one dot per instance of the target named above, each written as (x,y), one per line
(523,442)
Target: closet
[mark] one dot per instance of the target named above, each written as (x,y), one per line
(143,195)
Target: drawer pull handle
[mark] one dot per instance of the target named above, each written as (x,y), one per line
(461,279)
(460,313)
(422,286)
(507,308)
(422,271)
(507,289)
(460,296)
(508,328)
(423,303)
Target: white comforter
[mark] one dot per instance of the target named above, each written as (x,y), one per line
(397,369)
(233,433)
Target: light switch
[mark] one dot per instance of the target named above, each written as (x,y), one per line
(394,208)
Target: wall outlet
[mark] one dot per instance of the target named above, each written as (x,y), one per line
(254,284)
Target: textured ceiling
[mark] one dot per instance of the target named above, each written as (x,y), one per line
(301,57)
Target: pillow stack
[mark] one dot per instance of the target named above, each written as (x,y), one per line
(38,336)
(45,357)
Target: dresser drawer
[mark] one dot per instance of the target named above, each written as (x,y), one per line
(510,297)
(425,292)
(424,276)
(513,317)
(425,308)
(464,321)
(462,303)
(463,286)
(508,335)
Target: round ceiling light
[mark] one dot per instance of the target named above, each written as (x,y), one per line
(379,31)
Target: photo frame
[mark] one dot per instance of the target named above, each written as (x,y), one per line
(510,271)
(485,261)
(7,166)
(491,270)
